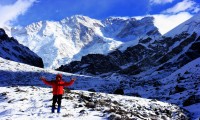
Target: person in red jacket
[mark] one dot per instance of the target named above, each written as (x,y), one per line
(57,86)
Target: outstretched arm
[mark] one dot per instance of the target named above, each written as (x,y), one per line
(70,83)
(45,81)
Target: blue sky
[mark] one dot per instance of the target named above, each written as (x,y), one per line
(167,13)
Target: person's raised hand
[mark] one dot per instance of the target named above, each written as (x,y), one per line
(42,78)
(73,79)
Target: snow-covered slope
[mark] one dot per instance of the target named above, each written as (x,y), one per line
(35,103)
(181,87)
(189,26)
(60,42)
(23,96)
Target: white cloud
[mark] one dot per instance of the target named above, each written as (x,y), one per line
(10,12)
(185,5)
(152,2)
(166,23)
(175,15)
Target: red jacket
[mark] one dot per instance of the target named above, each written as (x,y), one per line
(58,85)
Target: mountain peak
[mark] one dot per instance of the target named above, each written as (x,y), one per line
(112,18)
(78,35)
(82,17)
(148,18)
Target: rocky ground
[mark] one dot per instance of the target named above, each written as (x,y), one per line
(35,103)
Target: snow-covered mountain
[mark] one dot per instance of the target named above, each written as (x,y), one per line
(163,54)
(24,96)
(60,42)
(165,69)
(166,53)
(10,49)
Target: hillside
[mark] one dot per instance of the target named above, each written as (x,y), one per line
(10,49)
(23,95)
(24,80)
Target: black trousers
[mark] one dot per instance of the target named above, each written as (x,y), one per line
(57,98)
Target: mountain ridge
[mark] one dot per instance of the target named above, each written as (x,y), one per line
(147,53)
(69,39)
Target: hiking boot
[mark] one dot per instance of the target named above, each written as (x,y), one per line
(58,110)
(52,109)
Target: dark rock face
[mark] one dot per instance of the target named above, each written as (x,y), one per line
(192,100)
(141,57)
(3,34)
(92,63)
(177,89)
(187,50)
(162,52)
(119,91)
(10,49)
(130,55)
(92,90)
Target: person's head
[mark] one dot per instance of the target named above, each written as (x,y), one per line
(58,77)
